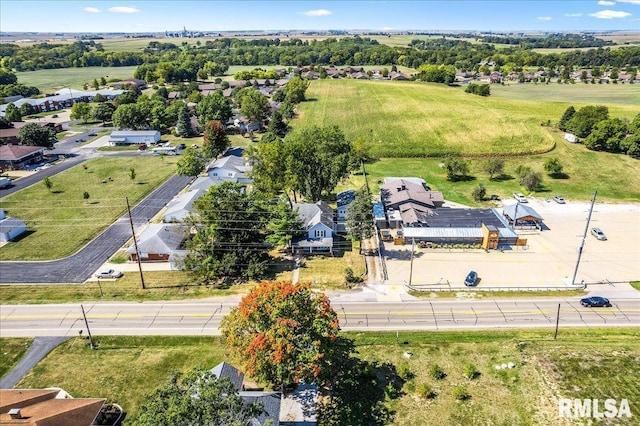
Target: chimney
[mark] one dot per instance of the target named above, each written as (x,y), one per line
(15,413)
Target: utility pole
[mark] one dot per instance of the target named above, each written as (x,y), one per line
(584,237)
(555,335)
(88,331)
(135,244)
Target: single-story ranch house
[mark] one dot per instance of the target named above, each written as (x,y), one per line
(160,242)
(129,137)
(15,157)
(63,98)
(10,227)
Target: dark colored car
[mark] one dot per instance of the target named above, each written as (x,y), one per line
(472,278)
(93,134)
(595,301)
(142,146)
(181,146)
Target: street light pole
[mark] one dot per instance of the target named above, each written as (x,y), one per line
(584,237)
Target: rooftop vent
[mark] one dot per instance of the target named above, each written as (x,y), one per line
(15,413)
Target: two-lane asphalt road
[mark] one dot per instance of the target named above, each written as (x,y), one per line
(203,318)
(79,267)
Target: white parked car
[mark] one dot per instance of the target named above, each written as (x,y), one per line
(520,197)
(109,273)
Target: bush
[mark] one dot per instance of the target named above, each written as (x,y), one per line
(436,372)
(479,192)
(460,393)
(470,371)
(425,392)
(404,371)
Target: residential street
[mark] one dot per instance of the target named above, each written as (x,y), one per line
(203,318)
(80,266)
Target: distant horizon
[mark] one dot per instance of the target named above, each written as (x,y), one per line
(149,17)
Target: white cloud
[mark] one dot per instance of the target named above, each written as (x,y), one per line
(606,3)
(629,1)
(610,14)
(573,15)
(544,18)
(317,12)
(91,9)
(123,9)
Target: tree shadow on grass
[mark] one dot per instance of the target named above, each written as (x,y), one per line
(355,390)
(502,177)
(57,191)
(559,175)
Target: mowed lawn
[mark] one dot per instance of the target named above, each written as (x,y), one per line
(594,363)
(61,221)
(50,80)
(412,119)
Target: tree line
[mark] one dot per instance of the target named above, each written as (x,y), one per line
(355,50)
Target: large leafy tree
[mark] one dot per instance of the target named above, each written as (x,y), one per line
(215,140)
(281,331)
(130,116)
(191,162)
(295,90)
(196,398)
(81,111)
(317,159)
(229,244)
(456,167)
(36,135)
(269,167)
(103,111)
(12,113)
(568,115)
(606,135)
(253,104)
(585,118)
(213,107)
(7,77)
(285,225)
(360,216)
(531,180)
(493,167)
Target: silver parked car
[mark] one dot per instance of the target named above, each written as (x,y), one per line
(109,273)
(597,232)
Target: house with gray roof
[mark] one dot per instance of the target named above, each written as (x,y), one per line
(160,242)
(409,200)
(129,137)
(181,206)
(317,219)
(230,168)
(10,227)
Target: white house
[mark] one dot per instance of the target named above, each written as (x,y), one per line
(128,137)
(319,226)
(230,168)
(182,205)
(10,227)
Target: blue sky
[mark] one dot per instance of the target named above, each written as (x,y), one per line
(220,15)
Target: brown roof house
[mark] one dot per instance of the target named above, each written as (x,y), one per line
(14,157)
(407,200)
(47,407)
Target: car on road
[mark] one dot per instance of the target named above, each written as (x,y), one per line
(558,199)
(93,134)
(181,146)
(597,232)
(595,302)
(142,146)
(519,197)
(472,279)
(109,273)
(54,116)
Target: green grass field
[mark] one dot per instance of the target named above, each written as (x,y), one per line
(572,94)
(61,221)
(413,119)
(594,363)
(50,80)
(11,351)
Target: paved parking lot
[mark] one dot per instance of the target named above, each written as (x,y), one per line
(549,259)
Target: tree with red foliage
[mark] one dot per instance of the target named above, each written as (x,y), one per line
(282,331)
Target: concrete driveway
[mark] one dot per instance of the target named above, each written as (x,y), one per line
(549,259)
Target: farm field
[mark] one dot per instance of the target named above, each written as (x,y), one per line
(61,221)
(414,119)
(50,80)
(567,94)
(125,369)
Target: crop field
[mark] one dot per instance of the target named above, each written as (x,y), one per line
(125,369)
(50,80)
(412,119)
(61,221)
